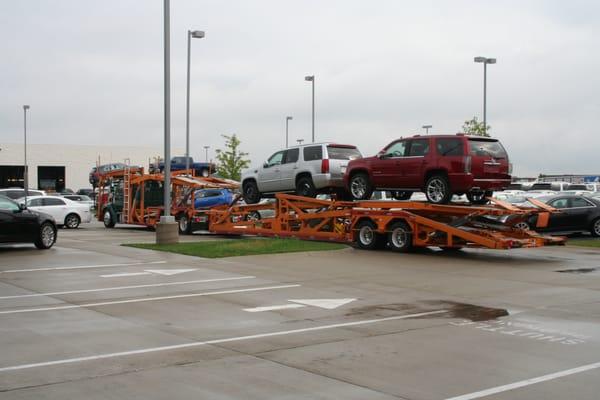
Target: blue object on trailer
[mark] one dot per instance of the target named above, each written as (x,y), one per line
(206,198)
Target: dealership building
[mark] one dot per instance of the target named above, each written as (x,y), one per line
(54,167)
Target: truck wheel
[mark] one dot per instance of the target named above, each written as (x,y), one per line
(110,219)
(400,237)
(366,236)
(251,193)
(46,236)
(437,190)
(185,226)
(305,187)
(360,187)
(401,195)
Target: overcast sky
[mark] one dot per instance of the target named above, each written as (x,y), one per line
(92,72)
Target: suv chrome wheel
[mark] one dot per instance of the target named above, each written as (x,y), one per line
(437,190)
(47,235)
(360,187)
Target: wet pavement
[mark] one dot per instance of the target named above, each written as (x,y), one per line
(93,319)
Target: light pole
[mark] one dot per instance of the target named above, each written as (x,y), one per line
(190,35)
(206,149)
(311,78)
(485,62)
(287,120)
(427,127)
(25,169)
(299,141)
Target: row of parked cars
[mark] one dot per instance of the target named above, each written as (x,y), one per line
(438,165)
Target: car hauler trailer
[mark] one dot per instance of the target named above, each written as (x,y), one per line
(129,196)
(399,225)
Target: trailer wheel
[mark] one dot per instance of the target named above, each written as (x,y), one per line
(400,237)
(185,226)
(110,218)
(367,237)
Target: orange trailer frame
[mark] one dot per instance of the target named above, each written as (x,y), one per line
(445,226)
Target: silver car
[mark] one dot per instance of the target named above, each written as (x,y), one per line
(306,170)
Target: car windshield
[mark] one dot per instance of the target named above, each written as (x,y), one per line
(343,153)
(491,148)
(8,204)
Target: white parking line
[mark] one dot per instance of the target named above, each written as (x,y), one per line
(526,382)
(274,308)
(82,267)
(143,299)
(123,274)
(216,341)
(19,296)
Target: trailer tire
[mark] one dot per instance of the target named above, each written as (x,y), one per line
(366,237)
(184,224)
(110,219)
(400,237)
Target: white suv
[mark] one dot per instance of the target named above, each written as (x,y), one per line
(306,170)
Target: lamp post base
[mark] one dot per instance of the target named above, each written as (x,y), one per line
(167,231)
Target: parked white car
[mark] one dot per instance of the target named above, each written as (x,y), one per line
(67,213)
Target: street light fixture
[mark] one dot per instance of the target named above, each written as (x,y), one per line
(311,78)
(25,169)
(427,127)
(299,141)
(485,62)
(190,35)
(287,120)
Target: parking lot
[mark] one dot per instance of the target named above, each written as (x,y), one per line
(90,318)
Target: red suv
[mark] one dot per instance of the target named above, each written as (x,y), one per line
(440,166)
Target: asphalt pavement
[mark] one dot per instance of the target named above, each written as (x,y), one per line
(92,319)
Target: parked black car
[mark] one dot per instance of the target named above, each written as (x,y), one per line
(19,225)
(577,214)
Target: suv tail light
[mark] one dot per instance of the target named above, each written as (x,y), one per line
(467,162)
(325,166)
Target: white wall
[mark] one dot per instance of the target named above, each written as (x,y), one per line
(78,160)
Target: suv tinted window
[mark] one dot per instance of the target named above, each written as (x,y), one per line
(397,149)
(450,147)
(418,147)
(312,153)
(53,201)
(343,153)
(490,148)
(580,203)
(291,156)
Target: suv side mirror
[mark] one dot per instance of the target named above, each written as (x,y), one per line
(381,155)
(265,165)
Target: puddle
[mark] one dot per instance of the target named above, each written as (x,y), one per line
(464,311)
(577,270)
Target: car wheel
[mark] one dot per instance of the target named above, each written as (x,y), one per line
(360,187)
(596,227)
(184,225)
(366,236)
(479,197)
(400,237)
(204,173)
(437,190)
(401,195)
(46,236)
(109,218)
(251,193)
(72,221)
(305,187)
(524,226)
(252,216)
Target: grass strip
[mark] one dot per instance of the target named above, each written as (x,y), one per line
(584,242)
(239,247)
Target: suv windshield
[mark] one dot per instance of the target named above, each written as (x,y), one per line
(493,148)
(343,153)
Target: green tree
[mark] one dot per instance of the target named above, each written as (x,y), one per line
(231,161)
(474,127)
